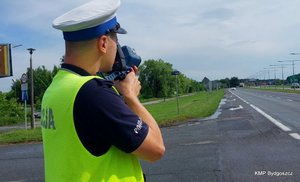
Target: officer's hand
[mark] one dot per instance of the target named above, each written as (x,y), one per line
(129,87)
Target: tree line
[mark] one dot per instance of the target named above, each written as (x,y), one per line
(155,77)
(292,79)
(158,82)
(42,78)
(11,109)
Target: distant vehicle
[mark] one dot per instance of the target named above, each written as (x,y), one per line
(233,88)
(295,85)
(37,114)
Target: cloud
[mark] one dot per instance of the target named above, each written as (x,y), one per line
(209,37)
(213,38)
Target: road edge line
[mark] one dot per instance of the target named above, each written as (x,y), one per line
(270,118)
(295,136)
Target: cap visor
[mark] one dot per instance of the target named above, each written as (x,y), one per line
(121,31)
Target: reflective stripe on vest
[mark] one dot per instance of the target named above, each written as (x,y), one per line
(66,159)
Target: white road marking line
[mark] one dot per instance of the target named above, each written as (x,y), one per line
(239,97)
(295,135)
(236,108)
(274,121)
(290,100)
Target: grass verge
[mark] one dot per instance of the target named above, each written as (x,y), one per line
(278,89)
(199,105)
(21,136)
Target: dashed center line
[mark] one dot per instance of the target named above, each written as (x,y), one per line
(270,118)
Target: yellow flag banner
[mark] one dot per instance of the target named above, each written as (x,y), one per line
(5,60)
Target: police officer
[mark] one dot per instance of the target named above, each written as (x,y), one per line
(90,132)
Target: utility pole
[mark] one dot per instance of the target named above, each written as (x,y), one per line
(268,69)
(32,92)
(282,77)
(293,64)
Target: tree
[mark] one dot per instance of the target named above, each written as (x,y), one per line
(10,111)
(234,82)
(195,86)
(291,78)
(184,84)
(42,79)
(157,80)
(155,77)
(225,83)
(15,91)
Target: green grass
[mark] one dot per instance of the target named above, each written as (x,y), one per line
(278,89)
(199,105)
(149,100)
(21,136)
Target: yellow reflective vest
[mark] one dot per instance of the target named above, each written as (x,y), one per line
(66,159)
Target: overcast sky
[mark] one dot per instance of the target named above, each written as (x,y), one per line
(212,38)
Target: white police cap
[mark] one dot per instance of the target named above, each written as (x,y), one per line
(90,20)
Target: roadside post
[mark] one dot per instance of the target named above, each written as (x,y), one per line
(24,89)
(176,73)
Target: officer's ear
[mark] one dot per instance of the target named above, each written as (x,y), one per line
(102,43)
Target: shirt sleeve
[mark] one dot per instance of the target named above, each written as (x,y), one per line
(102,119)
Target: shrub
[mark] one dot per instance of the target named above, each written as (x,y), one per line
(10,111)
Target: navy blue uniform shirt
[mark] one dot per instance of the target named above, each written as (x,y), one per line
(103,119)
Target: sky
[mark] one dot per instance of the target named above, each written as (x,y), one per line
(201,38)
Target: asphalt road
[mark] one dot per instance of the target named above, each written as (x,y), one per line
(283,107)
(241,144)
